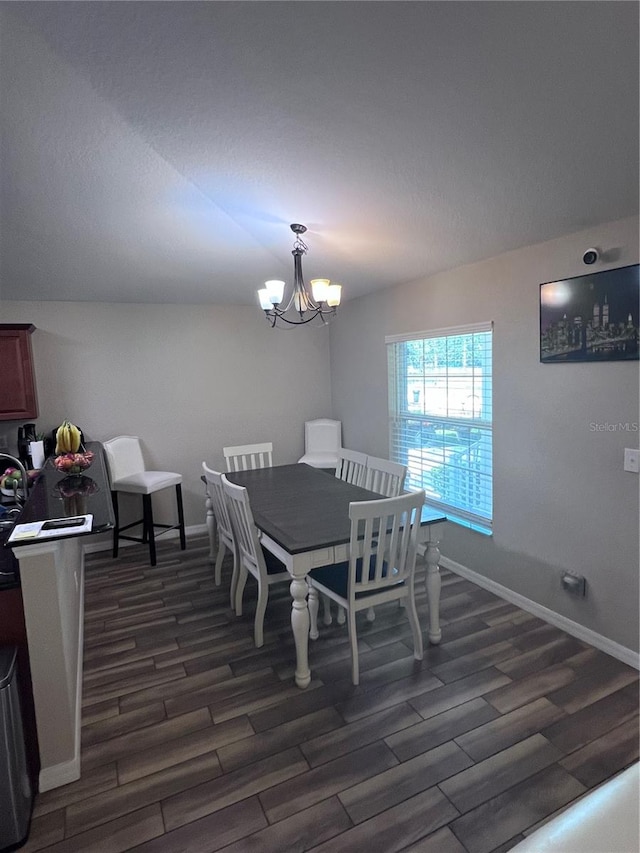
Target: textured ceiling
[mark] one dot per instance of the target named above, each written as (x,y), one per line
(157,152)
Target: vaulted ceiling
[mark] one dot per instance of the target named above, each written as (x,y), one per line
(158,151)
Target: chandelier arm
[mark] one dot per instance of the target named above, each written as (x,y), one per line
(276,314)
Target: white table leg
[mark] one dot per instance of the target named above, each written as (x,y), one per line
(433,583)
(314,602)
(300,628)
(211,528)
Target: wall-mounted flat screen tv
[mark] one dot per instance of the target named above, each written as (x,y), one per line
(592,317)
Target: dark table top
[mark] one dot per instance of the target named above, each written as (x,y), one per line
(304,508)
(55,495)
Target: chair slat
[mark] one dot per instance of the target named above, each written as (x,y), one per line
(385,477)
(351,467)
(247,457)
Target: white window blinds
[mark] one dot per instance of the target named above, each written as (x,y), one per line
(440,418)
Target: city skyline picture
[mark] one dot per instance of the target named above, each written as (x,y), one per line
(592,317)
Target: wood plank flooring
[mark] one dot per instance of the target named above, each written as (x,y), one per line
(195,741)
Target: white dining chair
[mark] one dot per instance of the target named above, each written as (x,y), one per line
(385,477)
(226,538)
(381,567)
(128,474)
(245,457)
(322,441)
(351,466)
(252,557)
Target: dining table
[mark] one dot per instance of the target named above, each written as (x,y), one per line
(302,515)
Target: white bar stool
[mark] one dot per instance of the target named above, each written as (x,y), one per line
(128,474)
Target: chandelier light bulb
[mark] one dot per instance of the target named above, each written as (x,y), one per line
(275,289)
(334,294)
(319,289)
(265,302)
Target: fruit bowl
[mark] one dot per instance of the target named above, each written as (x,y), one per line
(73,463)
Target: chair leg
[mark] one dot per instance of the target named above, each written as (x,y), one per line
(116,529)
(210,521)
(340,619)
(412,614)
(217,572)
(261,608)
(371,614)
(353,639)
(147,514)
(183,541)
(242,580)
(326,610)
(313,603)
(234,583)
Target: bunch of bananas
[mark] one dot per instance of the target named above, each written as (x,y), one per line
(67,438)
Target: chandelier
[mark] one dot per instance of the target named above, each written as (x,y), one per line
(301,307)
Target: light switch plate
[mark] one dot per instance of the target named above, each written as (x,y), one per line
(632,460)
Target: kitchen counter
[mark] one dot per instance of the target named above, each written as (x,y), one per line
(52,583)
(56,495)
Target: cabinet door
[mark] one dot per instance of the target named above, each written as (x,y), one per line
(18,398)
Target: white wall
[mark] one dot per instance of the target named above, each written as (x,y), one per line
(187,379)
(561,498)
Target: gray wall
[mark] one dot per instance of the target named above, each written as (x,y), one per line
(561,498)
(187,379)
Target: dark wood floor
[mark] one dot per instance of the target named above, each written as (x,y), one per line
(195,741)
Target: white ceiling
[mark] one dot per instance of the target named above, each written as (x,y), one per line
(157,152)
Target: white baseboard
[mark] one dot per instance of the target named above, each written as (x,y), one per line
(104,541)
(612,648)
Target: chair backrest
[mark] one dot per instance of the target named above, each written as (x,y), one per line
(322,436)
(385,477)
(124,456)
(244,457)
(245,530)
(384,538)
(219,503)
(352,466)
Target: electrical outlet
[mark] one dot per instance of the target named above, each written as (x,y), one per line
(632,460)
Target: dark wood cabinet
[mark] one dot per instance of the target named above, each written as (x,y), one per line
(18,398)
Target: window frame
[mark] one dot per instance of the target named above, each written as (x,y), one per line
(477,475)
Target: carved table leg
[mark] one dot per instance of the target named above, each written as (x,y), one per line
(211,528)
(314,601)
(300,628)
(433,583)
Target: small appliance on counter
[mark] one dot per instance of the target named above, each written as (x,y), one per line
(25,434)
(33,446)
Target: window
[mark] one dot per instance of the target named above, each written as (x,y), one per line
(440,418)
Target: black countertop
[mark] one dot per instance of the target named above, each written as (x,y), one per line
(56,495)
